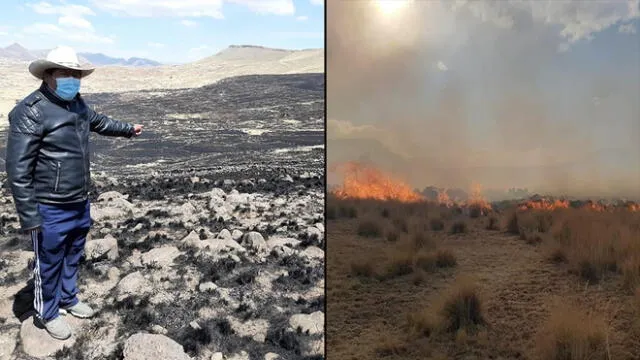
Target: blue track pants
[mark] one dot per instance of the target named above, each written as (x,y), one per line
(58,247)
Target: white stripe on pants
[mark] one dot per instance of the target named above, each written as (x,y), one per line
(37,281)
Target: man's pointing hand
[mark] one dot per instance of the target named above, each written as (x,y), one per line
(137,130)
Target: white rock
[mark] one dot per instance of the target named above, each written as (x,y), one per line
(162,256)
(133,284)
(236,235)
(271,356)
(94,249)
(153,346)
(112,195)
(207,286)
(281,241)
(254,241)
(313,252)
(242,355)
(224,234)
(217,356)
(37,342)
(313,323)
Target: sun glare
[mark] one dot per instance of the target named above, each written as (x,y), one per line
(390,7)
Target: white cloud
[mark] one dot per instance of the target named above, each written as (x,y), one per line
(302,18)
(627,29)
(577,20)
(442,66)
(3,33)
(192,8)
(76,22)
(55,31)
(189,23)
(66,9)
(275,7)
(71,15)
(156,45)
(317,2)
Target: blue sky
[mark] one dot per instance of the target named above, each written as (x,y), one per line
(166,31)
(539,94)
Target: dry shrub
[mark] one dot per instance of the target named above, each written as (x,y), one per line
(493,224)
(400,263)
(401,224)
(460,308)
(513,227)
(420,241)
(558,255)
(459,227)
(364,268)
(426,261)
(570,333)
(390,346)
(392,236)
(436,224)
(531,237)
(630,269)
(331,213)
(445,258)
(369,228)
(430,261)
(385,213)
(475,211)
(347,211)
(598,243)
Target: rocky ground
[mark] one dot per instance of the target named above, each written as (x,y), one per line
(208,236)
(222,269)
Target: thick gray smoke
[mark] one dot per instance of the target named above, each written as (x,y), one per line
(506,94)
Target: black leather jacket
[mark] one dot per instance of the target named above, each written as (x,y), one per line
(47,157)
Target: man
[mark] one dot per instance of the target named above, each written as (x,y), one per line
(47,165)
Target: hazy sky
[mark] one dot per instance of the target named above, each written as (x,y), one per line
(166,31)
(538,94)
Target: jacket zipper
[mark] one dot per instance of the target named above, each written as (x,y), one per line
(57,176)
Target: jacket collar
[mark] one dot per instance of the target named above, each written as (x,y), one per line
(51,96)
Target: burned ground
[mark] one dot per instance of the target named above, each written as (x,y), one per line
(208,229)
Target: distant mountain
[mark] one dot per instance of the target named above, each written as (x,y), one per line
(18,52)
(15,51)
(102,60)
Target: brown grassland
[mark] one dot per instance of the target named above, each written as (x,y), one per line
(422,281)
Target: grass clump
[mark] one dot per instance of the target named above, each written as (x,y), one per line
(369,228)
(460,309)
(436,224)
(459,227)
(572,334)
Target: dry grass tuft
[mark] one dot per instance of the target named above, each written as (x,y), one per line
(493,224)
(572,334)
(391,346)
(460,308)
(459,227)
(370,228)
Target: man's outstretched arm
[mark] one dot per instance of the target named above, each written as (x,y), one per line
(23,143)
(107,126)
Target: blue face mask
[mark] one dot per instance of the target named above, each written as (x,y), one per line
(67,88)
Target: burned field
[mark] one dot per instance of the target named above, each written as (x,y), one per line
(531,279)
(203,244)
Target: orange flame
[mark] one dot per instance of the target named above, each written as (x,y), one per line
(544,204)
(365,182)
(477,200)
(444,200)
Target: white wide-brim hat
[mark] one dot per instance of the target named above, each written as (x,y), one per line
(62,57)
